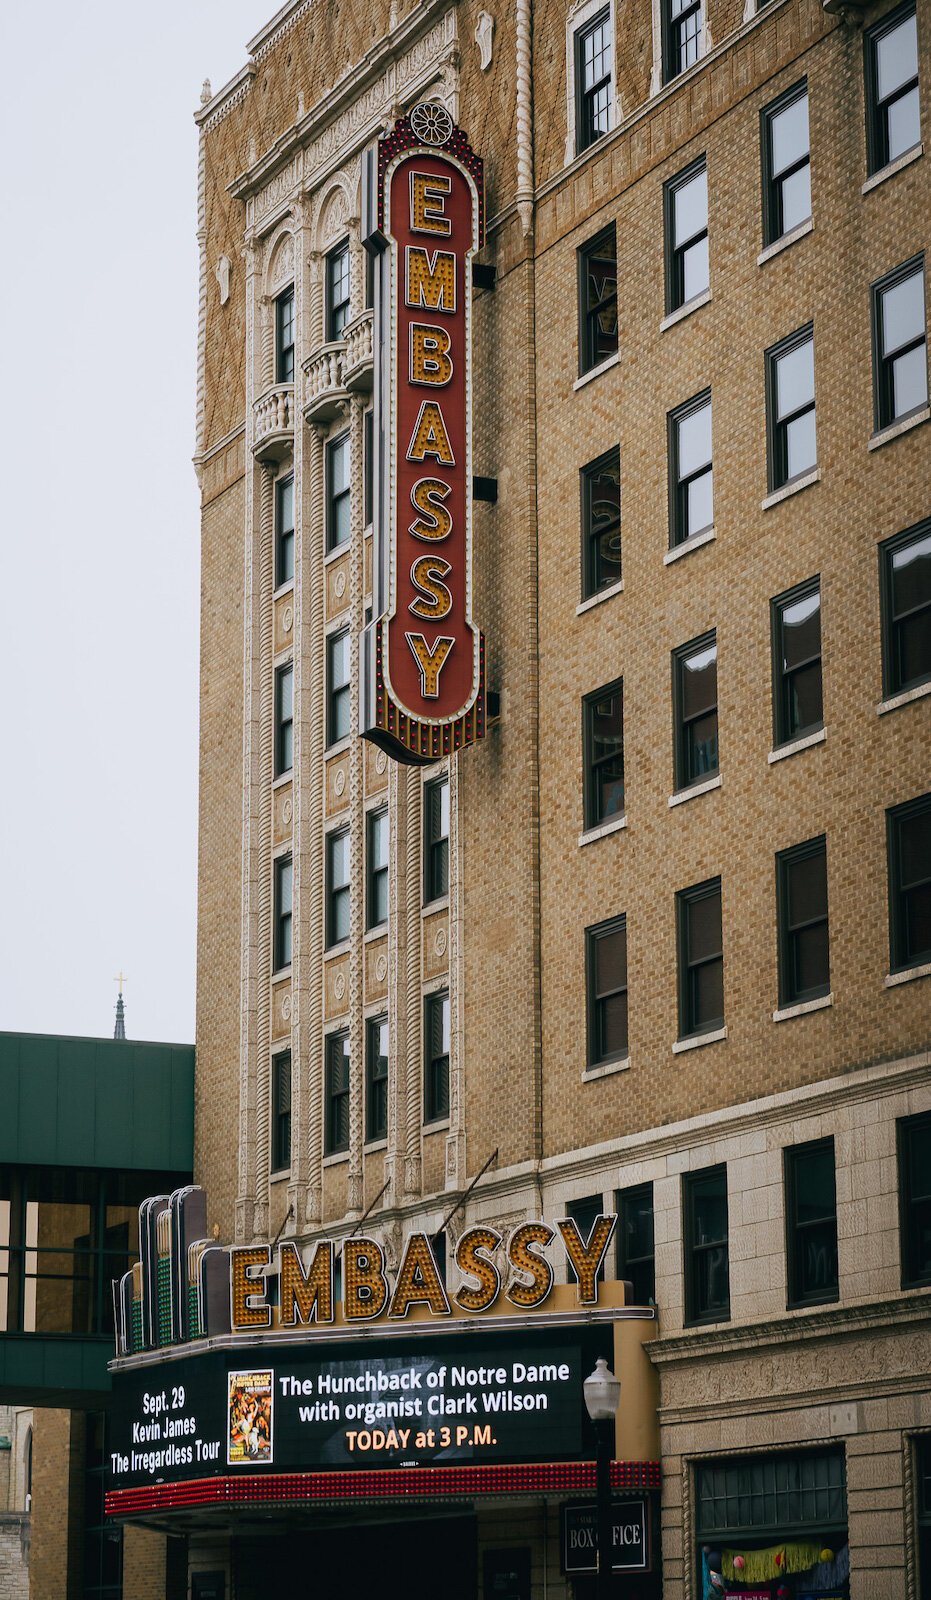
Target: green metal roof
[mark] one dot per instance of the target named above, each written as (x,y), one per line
(96,1103)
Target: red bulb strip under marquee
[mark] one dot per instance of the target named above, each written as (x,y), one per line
(414,1483)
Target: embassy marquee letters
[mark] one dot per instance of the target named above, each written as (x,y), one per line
(423,673)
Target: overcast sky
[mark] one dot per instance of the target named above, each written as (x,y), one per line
(99,556)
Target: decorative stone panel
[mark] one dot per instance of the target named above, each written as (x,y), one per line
(283,813)
(284,622)
(337,586)
(436,944)
(376,769)
(336,987)
(376,971)
(337,784)
(282,1008)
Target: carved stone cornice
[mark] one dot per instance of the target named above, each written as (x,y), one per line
(879,1318)
(346,95)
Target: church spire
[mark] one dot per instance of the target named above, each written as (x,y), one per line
(119,1027)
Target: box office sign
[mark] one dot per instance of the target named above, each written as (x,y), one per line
(630,1537)
(423,668)
(430,1402)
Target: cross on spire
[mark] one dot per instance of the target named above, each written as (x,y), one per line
(119,1027)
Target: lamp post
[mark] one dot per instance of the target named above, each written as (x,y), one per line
(602,1392)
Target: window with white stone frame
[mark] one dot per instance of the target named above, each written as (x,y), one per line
(592,106)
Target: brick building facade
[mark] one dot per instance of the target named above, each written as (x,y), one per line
(660,943)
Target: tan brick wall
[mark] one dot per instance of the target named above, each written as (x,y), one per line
(56,1554)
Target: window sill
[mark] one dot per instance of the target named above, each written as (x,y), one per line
(335,950)
(336,1159)
(696,1040)
(903,699)
(805,743)
(687,546)
(441,1125)
(595,372)
(338,748)
(283,588)
(893,979)
(371,935)
(604,1069)
(372,1147)
(795,487)
(603,594)
(337,551)
(786,1013)
(282,974)
(904,160)
(281,1175)
(681,312)
(694,790)
(283,778)
(435,905)
(903,425)
(603,829)
(783,243)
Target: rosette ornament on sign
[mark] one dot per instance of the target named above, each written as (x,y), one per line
(423,656)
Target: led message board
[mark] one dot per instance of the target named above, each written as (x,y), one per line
(423,656)
(505,1397)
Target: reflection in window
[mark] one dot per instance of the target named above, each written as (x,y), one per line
(906,596)
(598,300)
(797,694)
(603,735)
(787,164)
(696,700)
(601,523)
(687,236)
(894,124)
(691,478)
(791,399)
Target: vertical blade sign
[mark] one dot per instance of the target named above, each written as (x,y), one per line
(423,674)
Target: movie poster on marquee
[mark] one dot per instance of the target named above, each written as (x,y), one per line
(251,1418)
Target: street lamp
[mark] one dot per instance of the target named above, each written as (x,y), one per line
(602,1392)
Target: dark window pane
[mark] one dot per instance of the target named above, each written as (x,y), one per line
(705,927)
(811,1223)
(801,630)
(807,889)
(915,1202)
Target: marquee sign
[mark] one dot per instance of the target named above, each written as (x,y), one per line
(186,1287)
(349,1407)
(423,656)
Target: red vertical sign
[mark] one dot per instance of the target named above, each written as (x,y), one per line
(425,692)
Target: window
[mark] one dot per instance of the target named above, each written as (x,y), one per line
(339,704)
(284,887)
(786,164)
(811,1223)
(695,701)
(691,507)
(598,300)
(707,1268)
(635,1252)
(337,1094)
(376,1078)
(284,530)
(922,1448)
(284,719)
(914,1145)
(436,1056)
(909,846)
(376,897)
(750,1501)
(281,1111)
(790,370)
(905,573)
(893,123)
(797,696)
(601,523)
(701,959)
(337,886)
(436,840)
(802,912)
(686,207)
(337,492)
(337,291)
(606,981)
(682,25)
(593,51)
(284,337)
(900,351)
(603,753)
